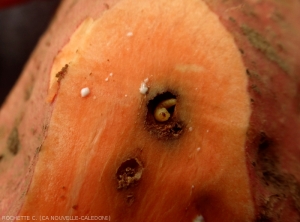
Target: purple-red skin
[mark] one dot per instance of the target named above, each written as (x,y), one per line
(268,36)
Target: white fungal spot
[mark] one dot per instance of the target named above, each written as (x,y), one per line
(129,34)
(198,149)
(106,79)
(84,92)
(190,129)
(111,74)
(198,218)
(144,88)
(125,95)
(207,131)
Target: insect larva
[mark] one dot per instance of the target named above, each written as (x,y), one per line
(161,112)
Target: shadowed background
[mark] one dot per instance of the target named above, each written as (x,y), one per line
(21,26)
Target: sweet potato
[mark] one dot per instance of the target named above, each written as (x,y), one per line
(183,110)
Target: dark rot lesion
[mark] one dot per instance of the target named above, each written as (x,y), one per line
(61,74)
(13,142)
(162,119)
(281,189)
(129,173)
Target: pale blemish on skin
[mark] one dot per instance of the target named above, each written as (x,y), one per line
(191,192)
(107,78)
(198,218)
(129,34)
(183,68)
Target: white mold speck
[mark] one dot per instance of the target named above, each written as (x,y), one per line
(106,79)
(198,218)
(143,88)
(125,95)
(198,149)
(111,74)
(84,92)
(129,34)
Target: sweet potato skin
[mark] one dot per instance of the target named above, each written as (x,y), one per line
(273,73)
(268,36)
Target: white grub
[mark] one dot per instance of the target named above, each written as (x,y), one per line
(190,129)
(84,92)
(198,218)
(144,88)
(111,74)
(129,34)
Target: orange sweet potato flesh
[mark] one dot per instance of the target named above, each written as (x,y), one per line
(199,169)
(89,138)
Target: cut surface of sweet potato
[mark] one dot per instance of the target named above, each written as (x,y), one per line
(105,153)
